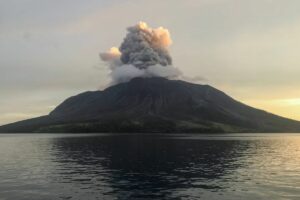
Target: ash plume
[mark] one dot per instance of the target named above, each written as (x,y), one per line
(143,53)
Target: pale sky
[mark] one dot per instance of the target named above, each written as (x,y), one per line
(49,49)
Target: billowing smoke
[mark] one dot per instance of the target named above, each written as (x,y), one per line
(143,53)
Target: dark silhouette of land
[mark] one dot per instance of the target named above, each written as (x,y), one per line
(154,105)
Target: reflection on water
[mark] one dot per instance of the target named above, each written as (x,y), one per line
(150,167)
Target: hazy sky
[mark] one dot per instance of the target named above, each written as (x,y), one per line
(49,49)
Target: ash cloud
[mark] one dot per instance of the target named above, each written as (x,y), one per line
(143,53)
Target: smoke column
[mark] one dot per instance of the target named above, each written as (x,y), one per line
(143,53)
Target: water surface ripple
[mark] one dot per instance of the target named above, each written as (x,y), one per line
(191,166)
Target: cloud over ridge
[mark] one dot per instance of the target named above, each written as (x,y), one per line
(143,53)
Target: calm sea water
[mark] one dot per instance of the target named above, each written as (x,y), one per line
(234,166)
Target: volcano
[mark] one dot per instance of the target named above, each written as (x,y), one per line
(146,105)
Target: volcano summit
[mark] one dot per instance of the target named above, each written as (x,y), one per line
(155,105)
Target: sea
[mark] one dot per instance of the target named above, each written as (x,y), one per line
(149,166)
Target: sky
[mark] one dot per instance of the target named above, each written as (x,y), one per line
(49,49)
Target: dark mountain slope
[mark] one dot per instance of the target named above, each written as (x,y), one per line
(155,105)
